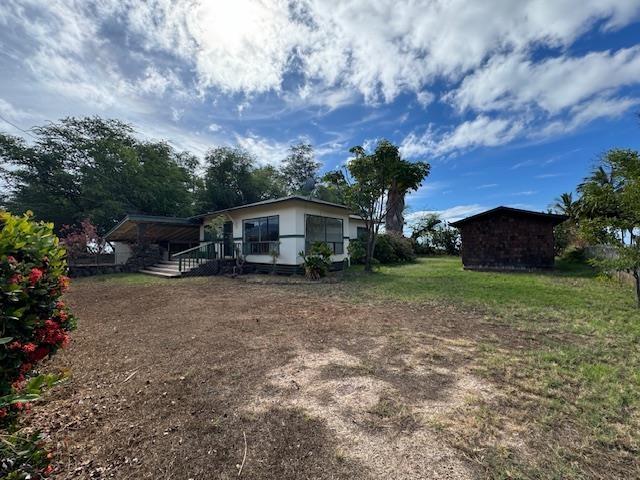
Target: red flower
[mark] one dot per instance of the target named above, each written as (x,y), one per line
(12,260)
(63,281)
(47,471)
(25,367)
(66,339)
(60,305)
(15,345)
(15,278)
(62,315)
(19,405)
(35,275)
(38,355)
(28,347)
(3,412)
(50,324)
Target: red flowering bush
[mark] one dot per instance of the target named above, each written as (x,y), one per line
(34,321)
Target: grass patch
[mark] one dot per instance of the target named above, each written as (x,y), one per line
(576,388)
(391,413)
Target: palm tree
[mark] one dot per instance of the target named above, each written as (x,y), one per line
(565,205)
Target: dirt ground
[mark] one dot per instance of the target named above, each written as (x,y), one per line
(193,377)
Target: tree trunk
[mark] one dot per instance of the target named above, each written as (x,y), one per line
(636,275)
(394,220)
(369,254)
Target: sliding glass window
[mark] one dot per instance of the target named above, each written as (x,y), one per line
(324,229)
(261,235)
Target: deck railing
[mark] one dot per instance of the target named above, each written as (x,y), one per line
(205,252)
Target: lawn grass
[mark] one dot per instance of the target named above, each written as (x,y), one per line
(575,385)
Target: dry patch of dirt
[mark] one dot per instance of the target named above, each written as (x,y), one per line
(169,378)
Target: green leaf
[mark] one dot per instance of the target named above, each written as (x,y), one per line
(4,340)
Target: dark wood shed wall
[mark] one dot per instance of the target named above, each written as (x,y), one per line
(507,242)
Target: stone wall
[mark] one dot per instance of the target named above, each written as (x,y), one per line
(143,256)
(507,242)
(90,270)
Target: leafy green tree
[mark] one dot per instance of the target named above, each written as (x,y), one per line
(268,183)
(366,182)
(566,234)
(610,210)
(433,235)
(227,180)
(424,224)
(231,178)
(299,168)
(94,168)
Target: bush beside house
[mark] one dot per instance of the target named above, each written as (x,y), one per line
(389,248)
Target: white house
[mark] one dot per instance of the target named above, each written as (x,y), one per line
(257,232)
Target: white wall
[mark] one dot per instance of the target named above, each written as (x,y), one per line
(122,252)
(354,223)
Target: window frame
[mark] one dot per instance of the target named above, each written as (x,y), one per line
(332,245)
(259,247)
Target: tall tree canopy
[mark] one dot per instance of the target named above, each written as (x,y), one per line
(367,181)
(94,168)
(299,168)
(231,178)
(404,176)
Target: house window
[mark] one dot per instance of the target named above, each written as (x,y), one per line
(362,233)
(324,229)
(260,235)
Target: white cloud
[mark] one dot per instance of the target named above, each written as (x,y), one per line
(214,127)
(251,46)
(515,81)
(128,58)
(425,98)
(265,151)
(479,132)
(451,214)
(177,114)
(154,82)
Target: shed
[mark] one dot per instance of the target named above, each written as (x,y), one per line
(507,238)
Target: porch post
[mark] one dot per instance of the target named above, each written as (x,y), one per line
(141,233)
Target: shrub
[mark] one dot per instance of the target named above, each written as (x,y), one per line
(403,248)
(34,324)
(318,261)
(357,251)
(389,248)
(392,248)
(384,251)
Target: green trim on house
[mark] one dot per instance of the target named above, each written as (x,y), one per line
(237,238)
(292,236)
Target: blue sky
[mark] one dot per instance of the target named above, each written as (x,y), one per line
(511,102)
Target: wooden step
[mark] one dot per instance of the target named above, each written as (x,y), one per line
(163,268)
(157,273)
